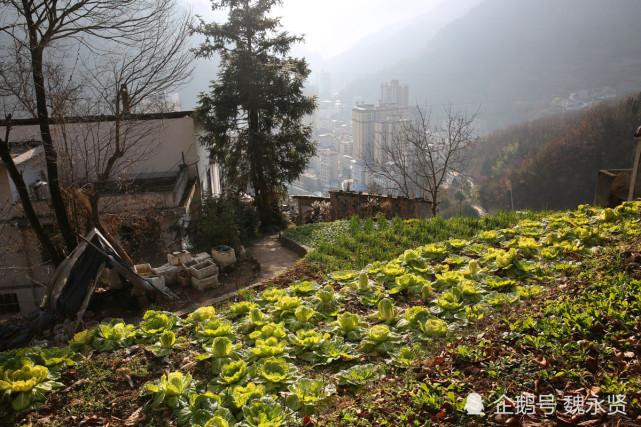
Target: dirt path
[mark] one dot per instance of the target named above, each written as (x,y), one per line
(272,257)
(267,251)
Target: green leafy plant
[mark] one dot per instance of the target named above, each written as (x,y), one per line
(155,323)
(326,301)
(266,412)
(304,287)
(204,409)
(269,330)
(358,376)
(335,349)
(306,394)
(274,373)
(386,311)
(448,306)
(172,391)
(433,328)
(201,315)
(220,352)
(232,374)
(268,348)
(239,309)
(115,334)
(350,326)
(241,395)
(380,339)
(409,283)
(26,387)
(303,316)
(212,329)
(166,343)
(404,357)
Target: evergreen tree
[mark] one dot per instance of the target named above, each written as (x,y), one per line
(253,114)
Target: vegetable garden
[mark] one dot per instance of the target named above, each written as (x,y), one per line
(548,305)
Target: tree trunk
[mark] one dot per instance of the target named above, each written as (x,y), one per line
(47,245)
(97,222)
(51,157)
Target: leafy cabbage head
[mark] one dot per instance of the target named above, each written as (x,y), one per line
(233,372)
(348,322)
(379,333)
(304,313)
(275,370)
(268,347)
(473,267)
(386,309)
(287,303)
(221,347)
(359,375)
(416,315)
(434,328)
(217,421)
(363,281)
(449,301)
(308,338)
(426,292)
(264,412)
(409,280)
(156,322)
(309,391)
(273,294)
(304,287)
(393,269)
(240,308)
(269,330)
(216,328)
(241,395)
(117,331)
(201,315)
(175,383)
(167,339)
(25,378)
(469,289)
(256,316)
(326,294)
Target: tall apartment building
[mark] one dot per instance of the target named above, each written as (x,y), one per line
(373,128)
(394,93)
(363,119)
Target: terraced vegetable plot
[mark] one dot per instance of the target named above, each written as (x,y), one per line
(400,329)
(354,244)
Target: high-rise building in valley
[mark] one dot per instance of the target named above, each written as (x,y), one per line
(394,93)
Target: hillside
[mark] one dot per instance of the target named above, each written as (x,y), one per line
(540,319)
(514,58)
(552,163)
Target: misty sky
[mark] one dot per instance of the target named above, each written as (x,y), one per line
(332,26)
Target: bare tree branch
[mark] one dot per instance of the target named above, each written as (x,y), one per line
(421,156)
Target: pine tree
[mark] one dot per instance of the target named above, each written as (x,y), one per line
(253,114)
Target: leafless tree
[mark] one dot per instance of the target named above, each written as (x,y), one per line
(39,25)
(420,159)
(150,57)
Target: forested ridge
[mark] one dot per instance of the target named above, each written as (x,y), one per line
(552,162)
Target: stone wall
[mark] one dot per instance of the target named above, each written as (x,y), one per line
(345,204)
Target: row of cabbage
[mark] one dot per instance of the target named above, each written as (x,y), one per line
(279,355)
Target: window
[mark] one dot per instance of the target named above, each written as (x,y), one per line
(9,303)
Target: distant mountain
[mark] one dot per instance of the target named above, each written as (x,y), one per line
(393,44)
(513,58)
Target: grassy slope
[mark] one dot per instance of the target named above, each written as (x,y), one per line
(353,244)
(570,327)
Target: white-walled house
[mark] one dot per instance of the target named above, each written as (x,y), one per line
(164,166)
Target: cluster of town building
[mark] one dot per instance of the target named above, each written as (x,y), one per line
(347,149)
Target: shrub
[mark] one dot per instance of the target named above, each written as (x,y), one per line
(223,221)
